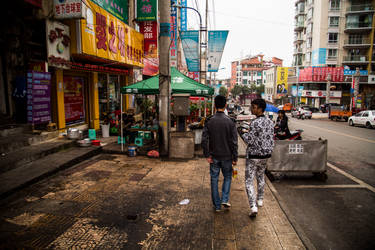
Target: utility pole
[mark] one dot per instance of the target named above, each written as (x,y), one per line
(328,88)
(164,77)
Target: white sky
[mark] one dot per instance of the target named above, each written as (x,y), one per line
(255,26)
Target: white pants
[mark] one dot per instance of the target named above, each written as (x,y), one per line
(255,167)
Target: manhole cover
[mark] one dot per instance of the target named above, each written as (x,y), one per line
(132,217)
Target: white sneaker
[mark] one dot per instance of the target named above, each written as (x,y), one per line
(253,212)
(260,203)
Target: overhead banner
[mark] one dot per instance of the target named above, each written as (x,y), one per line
(190,45)
(118,8)
(183,14)
(216,44)
(282,80)
(319,74)
(146,10)
(173,36)
(149,30)
(105,36)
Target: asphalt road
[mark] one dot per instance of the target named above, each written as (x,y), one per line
(338,213)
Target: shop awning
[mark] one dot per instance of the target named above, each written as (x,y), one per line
(181,84)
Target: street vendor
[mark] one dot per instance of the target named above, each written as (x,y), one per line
(129,121)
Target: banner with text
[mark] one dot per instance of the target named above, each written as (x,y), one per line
(149,30)
(146,10)
(190,46)
(183,13)
(38,97)
(173,36)
(216,44)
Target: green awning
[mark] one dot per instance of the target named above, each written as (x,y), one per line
(181,84)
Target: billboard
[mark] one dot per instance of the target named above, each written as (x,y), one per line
(319,57)
(216,44)
(190,45)
(282,80)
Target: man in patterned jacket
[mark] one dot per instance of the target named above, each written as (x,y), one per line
(260,143)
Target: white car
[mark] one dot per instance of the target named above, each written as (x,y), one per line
(302,112)
(364,118)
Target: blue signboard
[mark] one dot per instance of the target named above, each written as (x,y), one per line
(216,44)
(183,15)
(348,72)
(319,57)
(190,45)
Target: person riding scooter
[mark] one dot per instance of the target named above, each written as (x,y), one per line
(281,128)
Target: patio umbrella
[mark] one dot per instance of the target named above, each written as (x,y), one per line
(271,108)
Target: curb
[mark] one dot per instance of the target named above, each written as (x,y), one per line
(301,234)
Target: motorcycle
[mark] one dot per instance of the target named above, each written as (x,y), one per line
(294,135)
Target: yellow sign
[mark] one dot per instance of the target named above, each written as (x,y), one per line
(105,36)
(282,80)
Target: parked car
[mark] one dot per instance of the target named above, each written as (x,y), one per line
(302,112)
(325,107)
(364,118)
(312,109)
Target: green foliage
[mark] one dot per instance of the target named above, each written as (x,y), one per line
(260,89)
(253,88)
(223,91)
(237,90)
(246,90)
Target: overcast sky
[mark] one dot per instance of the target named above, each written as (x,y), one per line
(264,26)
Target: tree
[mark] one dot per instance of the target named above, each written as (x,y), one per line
(260,89)
(246,90)
(223,91)
(253,87)
(237,90)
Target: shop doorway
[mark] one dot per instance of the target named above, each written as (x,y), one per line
(109,94)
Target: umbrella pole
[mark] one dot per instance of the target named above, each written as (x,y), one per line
(121,133)
(205,107)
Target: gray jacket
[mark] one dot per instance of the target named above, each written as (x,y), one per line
(219,138)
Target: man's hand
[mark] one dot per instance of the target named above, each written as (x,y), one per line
(234,163)
(209,160)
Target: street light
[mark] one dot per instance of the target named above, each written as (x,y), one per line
(200,36)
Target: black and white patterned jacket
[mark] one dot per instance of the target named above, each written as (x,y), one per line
(260,139)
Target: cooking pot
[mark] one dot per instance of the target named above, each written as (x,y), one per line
(74,133)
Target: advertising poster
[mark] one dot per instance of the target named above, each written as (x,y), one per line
(282,80)
(183,15)
(190,45)
(74,99)
(173,35)
(216,44)
(38,97)
(194,76)
(319,56)
(105,36)
(149,30)
(146,10)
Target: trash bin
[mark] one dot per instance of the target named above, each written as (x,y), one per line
(105,130)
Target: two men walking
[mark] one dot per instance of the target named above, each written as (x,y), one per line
(220,147)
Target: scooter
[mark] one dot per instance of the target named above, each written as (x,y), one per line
(294,135)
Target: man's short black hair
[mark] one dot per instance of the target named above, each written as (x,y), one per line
(261,103)
(220,101)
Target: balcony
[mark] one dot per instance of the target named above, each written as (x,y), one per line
(298,51)
(299,11)
(358,59)
(299,26)
(361,8)
(331,58)
(298,39)
(357,43)
(358,27)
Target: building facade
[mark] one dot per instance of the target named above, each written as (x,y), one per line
(340,34)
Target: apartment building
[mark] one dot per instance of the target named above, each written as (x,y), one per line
(336,33)
(251,70)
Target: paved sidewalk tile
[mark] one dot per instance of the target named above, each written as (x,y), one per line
(113,202)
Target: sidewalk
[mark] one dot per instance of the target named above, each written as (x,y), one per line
(114,201)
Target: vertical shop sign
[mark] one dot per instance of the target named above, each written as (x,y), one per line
(190,45)
(282,80)
(74,99)
(149,30)
(118,8)
(58,44)
(69,9)
(183,13)
(173,36)
(216,44)
(146,10)
(38,97)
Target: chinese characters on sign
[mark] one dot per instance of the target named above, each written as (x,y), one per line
(103,35)
(183,15)
(173,35)
(296,149)
(58,44)
(118,8)
(38,97)
(282,80)
(216,44)
(74,99)
(69,9)
(149,30)
(319,74)
(190,45)
(146,10)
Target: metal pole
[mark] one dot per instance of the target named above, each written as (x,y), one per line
(164,78)
(121,133)
(328,88)
(356,85)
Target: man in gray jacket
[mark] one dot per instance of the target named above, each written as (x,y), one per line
(220,147)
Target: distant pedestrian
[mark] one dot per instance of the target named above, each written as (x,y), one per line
(220,147)
(260,145)
(281,127)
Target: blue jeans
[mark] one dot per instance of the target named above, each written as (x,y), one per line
(226,169)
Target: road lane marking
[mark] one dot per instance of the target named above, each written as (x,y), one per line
(338,133)
(327,186)
(355,179)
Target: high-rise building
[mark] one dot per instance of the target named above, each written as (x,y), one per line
(336,33)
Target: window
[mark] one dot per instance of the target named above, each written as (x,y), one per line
(245,73)
(244,81)
(334,21)
(334,4)
(332,53)
(365,114)
(332,37)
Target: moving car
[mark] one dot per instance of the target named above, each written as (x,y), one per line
(302,112)
(364,118)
